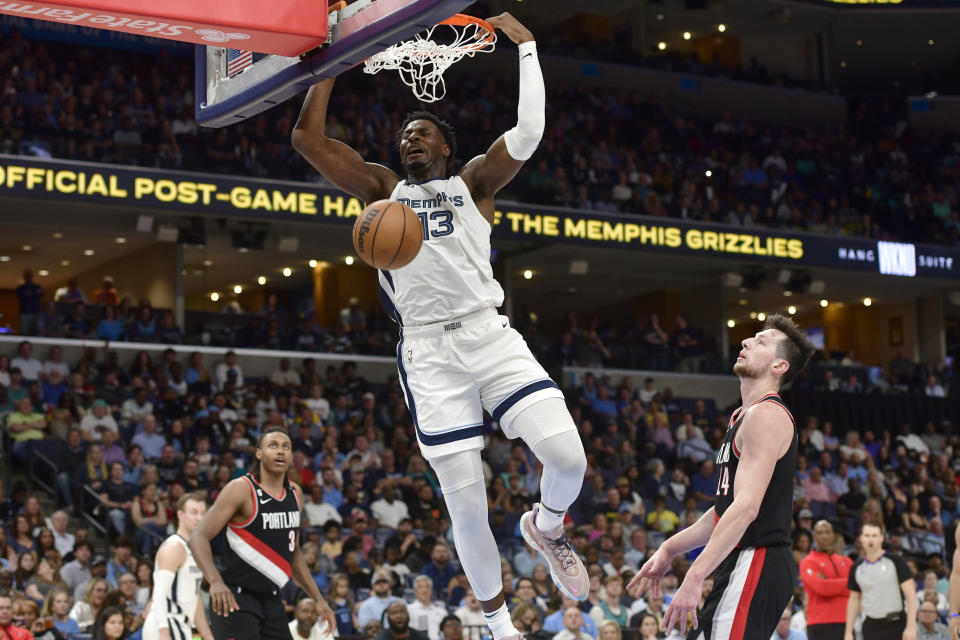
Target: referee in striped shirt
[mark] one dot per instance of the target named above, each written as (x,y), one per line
(883,587)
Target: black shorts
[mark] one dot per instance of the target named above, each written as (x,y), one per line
(261,615)
(884,629)
(751,588)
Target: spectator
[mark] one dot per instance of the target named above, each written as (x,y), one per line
(76,325)
(71,292)
(441,570)
(661,518)
(397,627)
(686,342)
(29,367)
(340,602)
(97,421)
(56,362)
(149,514)
(150,442)
(318,512)
(372,608)
(783,630)
(389,511)
(144,327)
(168,332)
(471,616)
(227,368)
(425,615)
(610,607)
(135,409)
(63,539)
(29,294)
(304,625)
(525,619)
(117,496)
(352,319)
(109,624)
(284,376)
(25,426)
(928,626)
(934,389)
(572,624)
(50,322)
(57,608)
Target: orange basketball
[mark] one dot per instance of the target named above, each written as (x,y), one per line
(387,235)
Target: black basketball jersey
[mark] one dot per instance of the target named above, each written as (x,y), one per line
(773,522)
(259,552)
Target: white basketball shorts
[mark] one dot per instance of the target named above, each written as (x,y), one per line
(454,370)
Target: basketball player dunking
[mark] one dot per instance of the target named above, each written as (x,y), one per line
(261,511)
(456,355)
(175,607)
(747,531)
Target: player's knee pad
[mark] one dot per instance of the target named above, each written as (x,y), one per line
(561,450)
(461,481)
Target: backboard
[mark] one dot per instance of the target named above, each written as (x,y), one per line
(233,84)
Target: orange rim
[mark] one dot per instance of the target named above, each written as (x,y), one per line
(463,20)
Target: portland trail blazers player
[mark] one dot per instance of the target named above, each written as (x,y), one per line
(261,511)
(747,532)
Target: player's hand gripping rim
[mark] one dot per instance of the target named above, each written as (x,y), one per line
(221,599)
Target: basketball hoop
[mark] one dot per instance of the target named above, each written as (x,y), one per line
(422,61)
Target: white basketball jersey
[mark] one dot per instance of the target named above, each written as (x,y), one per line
(186,586)
(452,275)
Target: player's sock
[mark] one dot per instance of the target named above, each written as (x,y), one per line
(549,521)
(500,623)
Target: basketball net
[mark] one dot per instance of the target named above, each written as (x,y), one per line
(422,61)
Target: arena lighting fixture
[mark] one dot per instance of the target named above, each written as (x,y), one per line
(753,315)
(261,280)
(742,302)
(686,35)
(721,28)
(237,289)
(214,296)
(731,324)
(787,293)
(64,263)
(88,252)
(761,316)
(27,247)
(661,45)
(843,64)
(349,260)
(659,16)
(313,264)
(57,235)
(120,240)
(824,302)
(4,258)
(527,274)
(287,272)
(859,43)
(43,273)
(867,302)
(208,263)
(791,309)
(930,42)
(708,173)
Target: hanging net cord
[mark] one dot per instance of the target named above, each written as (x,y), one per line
(423,61)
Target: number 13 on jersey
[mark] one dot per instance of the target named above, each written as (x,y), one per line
(442,224)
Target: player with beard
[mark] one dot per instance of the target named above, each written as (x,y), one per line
(261,511)
(747,531)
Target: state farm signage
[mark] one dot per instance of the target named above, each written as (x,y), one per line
(297,27)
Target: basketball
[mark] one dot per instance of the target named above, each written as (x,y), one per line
(387,235)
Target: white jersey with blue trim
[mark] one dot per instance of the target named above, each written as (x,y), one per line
(181,606)
(452,275)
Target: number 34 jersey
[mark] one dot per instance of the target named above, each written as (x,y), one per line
(773,523)
(452,275)
(259,552)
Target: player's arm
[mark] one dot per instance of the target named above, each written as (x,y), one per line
(200,621)
(909,589)
(656,566)
(170,557)
(955,590)
(233,500)
(301,575)
(488,173)
(335,160)
(765,432)
(853,610)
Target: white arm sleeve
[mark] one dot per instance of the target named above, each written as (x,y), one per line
(523,139)
(162,584)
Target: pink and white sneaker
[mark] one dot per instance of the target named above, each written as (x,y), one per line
(566,568)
